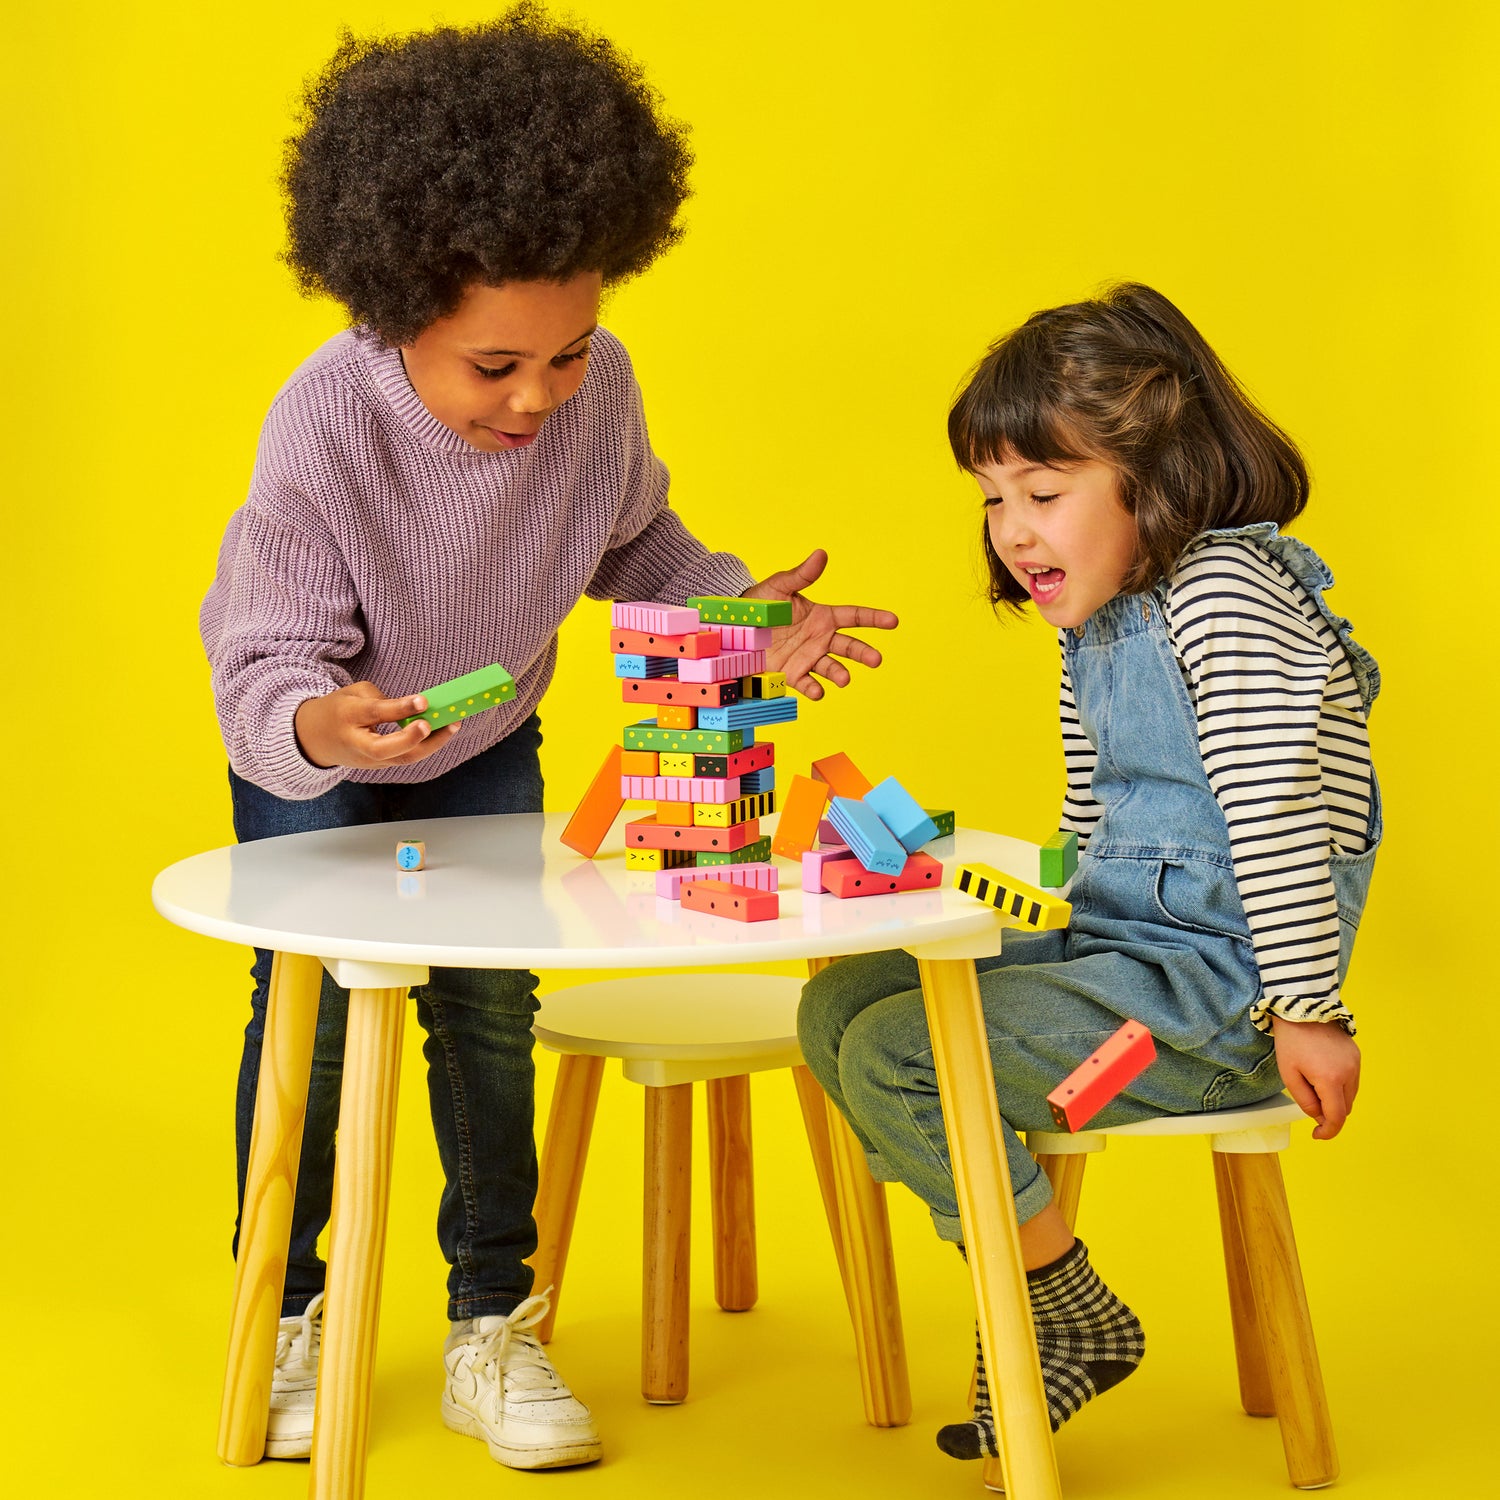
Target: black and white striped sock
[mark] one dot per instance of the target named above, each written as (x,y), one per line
(1088,1341)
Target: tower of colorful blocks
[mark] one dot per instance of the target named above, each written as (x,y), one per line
(701,670)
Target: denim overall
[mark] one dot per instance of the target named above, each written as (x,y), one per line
(1158,933)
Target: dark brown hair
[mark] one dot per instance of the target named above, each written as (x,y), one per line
(1126,380)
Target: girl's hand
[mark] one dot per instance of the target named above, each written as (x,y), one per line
(814,641)
(1319,1064)
(340,728)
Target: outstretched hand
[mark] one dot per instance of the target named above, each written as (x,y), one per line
(812,645)
(342,728)
(1319,1063)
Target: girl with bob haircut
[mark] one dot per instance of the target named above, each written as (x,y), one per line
(1218,778)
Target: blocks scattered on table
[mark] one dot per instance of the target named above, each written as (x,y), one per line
(1023,904)
(600,807)
(720,898)
(1059,858)
(847,877)
(463,697)
(1101,1076)
(872,843)
(898,810)
(411,854)
(715,609)
(760,876)
(844,778)
(800,812)
(815,861)
(945,821)
(644,643)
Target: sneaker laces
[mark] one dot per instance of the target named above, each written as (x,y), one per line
(511,1347)
(299,1345)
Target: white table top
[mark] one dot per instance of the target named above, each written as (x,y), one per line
(505,893)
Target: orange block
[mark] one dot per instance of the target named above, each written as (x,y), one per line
(844,778)
(638,763)
(680,813)
(676,716)
(600,807)
(797,831)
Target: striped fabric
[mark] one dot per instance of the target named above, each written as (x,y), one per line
(1281,727)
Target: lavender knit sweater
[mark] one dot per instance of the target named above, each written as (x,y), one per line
(377,544)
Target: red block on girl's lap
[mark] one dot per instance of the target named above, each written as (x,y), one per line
(721,898)
(1098,1078)
(847,877)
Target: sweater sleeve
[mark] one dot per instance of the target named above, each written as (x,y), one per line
(279,621)
(1258,674)
(1080,812)
(651,554)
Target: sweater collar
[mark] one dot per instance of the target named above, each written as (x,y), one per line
(388,373)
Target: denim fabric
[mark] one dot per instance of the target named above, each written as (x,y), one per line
(480,1074)
(1158,935)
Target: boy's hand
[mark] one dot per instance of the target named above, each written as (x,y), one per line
(814,641)
(341,728)
(1319,1064)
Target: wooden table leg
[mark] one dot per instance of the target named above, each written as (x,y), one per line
(1249,1350)
(565,1150)
(732,1182)
(356,1248)
(665,1297)
(814,1105)
(867,1262)
(966,1086)
(266,1218)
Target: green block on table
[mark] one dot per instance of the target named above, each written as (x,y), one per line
(749,854)
(466,696)
(646,736)
(944,819)
(1059,859)
(715,609)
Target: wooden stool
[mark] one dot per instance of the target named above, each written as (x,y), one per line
(1273,1338)
(671,1031)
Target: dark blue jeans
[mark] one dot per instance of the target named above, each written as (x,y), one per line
(480,1076)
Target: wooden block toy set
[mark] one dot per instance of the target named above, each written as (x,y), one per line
(701,669)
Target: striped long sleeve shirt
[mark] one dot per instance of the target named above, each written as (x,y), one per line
(1281,727)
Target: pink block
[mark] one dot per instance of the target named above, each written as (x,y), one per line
(659,619)
(828,834)
(763,877)
(695,788)
(812,866)
(742,637)
(721,667)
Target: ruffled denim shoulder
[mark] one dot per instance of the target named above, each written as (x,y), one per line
(1314,575)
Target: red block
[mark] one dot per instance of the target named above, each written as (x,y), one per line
(847,877)
(647,833)
(1097,1079)
(669,690)
(723,899)
(643,643)
(756,758)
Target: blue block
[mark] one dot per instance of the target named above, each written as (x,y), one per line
(645,666)
(869,840)
(758,781)
(898,810)
(749,711)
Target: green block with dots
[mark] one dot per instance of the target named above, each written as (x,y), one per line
(1059,860)
(647,736)
(466,696)
(944,818)
(715,609)
(750,854)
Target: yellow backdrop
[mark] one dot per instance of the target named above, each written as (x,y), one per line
(881,189)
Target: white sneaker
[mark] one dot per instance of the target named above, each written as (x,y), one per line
(294,1385)
(501,1387)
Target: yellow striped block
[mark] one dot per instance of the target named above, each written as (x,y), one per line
(1024,904)
(657,859)
(727,814)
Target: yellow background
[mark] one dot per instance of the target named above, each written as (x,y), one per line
(881,189)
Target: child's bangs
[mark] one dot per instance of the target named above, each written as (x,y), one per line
(1006,414)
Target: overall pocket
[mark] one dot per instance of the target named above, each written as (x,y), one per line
(1200,895)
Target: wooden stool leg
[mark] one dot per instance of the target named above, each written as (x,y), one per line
(565,1150)
(966,1085)
(266,1219)
(664,1300)
(1249,1352)
(731,1174)
(1065,1173)
(356,1246)
(870,1279)
(1286,1328)
(814,1105)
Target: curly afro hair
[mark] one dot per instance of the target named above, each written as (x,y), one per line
(517,150)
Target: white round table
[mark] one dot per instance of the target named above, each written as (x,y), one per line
(504,892)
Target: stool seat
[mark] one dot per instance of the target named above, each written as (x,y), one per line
(1263,1126)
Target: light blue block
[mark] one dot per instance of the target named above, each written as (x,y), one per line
(763,780)
(644,666)
(749,711)
(898,810)
(869,840)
